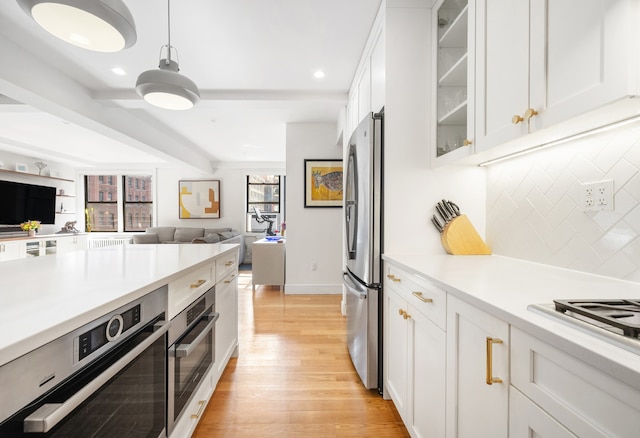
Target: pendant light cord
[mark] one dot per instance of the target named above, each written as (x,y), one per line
(169,23)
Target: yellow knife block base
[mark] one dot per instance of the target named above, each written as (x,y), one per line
(459,237)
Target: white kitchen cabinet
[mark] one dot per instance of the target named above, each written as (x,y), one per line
(268,263)
(477,379)
(12,250)
(72,242)
(453,27)
(526,419)
(584,400)
(377,72)
(415,351)
(540,63)
(227,326)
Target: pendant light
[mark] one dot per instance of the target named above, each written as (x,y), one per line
(165,87)
(98,25)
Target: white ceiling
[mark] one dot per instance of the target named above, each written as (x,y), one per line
(253,61)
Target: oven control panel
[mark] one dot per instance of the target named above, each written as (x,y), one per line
(92,340)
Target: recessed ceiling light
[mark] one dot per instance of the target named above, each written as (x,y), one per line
(318,74)
(119,71)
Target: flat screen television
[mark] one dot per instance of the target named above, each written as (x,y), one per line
(20,202)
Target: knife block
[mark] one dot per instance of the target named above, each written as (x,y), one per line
(459,237)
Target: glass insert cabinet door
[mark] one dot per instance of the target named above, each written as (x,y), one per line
(454,72)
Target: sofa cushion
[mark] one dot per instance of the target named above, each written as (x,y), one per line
(187,234)
(146,238)
(208,231)
(165,234)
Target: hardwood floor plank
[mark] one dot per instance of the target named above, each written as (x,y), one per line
(293,376)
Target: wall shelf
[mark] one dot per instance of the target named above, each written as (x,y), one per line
(36,175)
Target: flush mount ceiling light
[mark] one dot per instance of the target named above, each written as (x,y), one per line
(165,87)
(98,25)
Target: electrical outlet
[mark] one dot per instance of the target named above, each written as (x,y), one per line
(597,196)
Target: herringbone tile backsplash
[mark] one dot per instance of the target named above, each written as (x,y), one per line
(534,213)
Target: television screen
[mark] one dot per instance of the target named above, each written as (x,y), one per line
(21,202)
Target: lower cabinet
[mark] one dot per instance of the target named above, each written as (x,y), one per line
(415,352)
(12,250)
(583,399)
(527,420)
(72,243)
(226,337)
(477,372)
(227,325)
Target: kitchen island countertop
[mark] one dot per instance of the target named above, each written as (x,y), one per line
(42,298)
(505,287)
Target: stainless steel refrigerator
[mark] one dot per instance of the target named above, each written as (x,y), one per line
(363,247)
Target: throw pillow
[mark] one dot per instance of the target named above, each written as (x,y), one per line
(188,234)
(212,238)
(226,235)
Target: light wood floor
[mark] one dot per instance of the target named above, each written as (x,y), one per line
(293,377)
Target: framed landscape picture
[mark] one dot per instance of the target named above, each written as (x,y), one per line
(199,199)
(323,183)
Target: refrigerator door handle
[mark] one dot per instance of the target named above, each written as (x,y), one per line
(353,287)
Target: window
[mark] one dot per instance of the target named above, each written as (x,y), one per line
(109,214)
(263,193)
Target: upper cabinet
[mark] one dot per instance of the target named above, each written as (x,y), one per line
(453,68)
(540,63)
(367,93)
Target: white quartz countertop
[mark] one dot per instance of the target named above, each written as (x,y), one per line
(506,287)
(42,298)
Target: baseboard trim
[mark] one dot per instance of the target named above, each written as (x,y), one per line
(313,289)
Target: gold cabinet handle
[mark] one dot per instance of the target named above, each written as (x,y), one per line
(419,296)
(229,263)
(516,119)
(401,312)
(530,113)
(229,281)
(393,278)
(490,379)
(467,142)
(197,284)
(197,414)
(406,315)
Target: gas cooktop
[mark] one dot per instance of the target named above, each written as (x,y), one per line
(614,320)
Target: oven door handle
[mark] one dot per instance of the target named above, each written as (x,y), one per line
(48,415)
(184,350)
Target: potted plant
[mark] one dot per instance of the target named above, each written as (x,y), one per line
(30,227)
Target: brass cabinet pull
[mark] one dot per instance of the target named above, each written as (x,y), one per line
(490,379)
(197,414)
(406,315)
(529,113)
(467,142)
(516,119)
(393,278)
(401,312)
(419,296)
(198,284)
(229,263)
(229,281)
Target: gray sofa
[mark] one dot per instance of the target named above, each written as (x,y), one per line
(192,235)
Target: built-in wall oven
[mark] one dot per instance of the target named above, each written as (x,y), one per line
(105,379)
(191,352)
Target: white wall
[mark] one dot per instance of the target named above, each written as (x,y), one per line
(314,235)
(412,187)
(232,198)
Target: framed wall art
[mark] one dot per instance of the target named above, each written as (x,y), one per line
(199,199)
(21,167)
(323,183)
